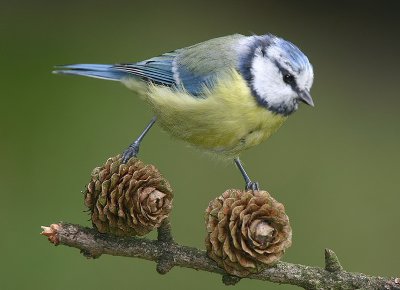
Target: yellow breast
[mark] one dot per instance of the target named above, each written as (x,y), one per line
(227,120)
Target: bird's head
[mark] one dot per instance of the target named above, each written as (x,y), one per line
(279,74)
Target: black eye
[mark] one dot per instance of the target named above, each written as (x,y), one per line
(288,78)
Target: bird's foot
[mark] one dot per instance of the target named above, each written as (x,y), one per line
(131,151)
(252,186)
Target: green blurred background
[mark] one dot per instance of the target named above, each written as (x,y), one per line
(336,167)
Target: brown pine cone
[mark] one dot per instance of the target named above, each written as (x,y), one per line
(127,199)
(246,231)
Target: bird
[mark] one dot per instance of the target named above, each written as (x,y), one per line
(224,95)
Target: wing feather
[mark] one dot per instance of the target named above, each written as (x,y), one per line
(192,68)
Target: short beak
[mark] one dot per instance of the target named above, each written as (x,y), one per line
(305,97)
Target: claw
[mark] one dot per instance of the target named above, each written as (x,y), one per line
(254,186)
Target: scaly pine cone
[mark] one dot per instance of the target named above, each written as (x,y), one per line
(246,231)
(127,199)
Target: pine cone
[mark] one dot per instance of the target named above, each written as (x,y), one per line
(127,199)
(246,231)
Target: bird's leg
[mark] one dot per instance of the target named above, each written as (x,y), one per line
(133,149)
(250,185)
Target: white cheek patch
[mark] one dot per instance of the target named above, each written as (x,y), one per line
(268,82)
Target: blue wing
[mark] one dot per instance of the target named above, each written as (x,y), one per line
(192,68)
(157,69)
(165,70)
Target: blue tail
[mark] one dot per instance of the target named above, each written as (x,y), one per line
(99,71)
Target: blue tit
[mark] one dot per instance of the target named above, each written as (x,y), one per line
(223,95)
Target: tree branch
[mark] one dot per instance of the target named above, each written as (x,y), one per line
(168,254)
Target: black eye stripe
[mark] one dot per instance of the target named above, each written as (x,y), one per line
(288,78)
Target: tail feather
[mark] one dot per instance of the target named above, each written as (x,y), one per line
(99,71)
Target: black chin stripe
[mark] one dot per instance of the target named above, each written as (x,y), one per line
(284,110)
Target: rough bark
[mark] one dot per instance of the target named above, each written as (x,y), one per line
(167,254)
